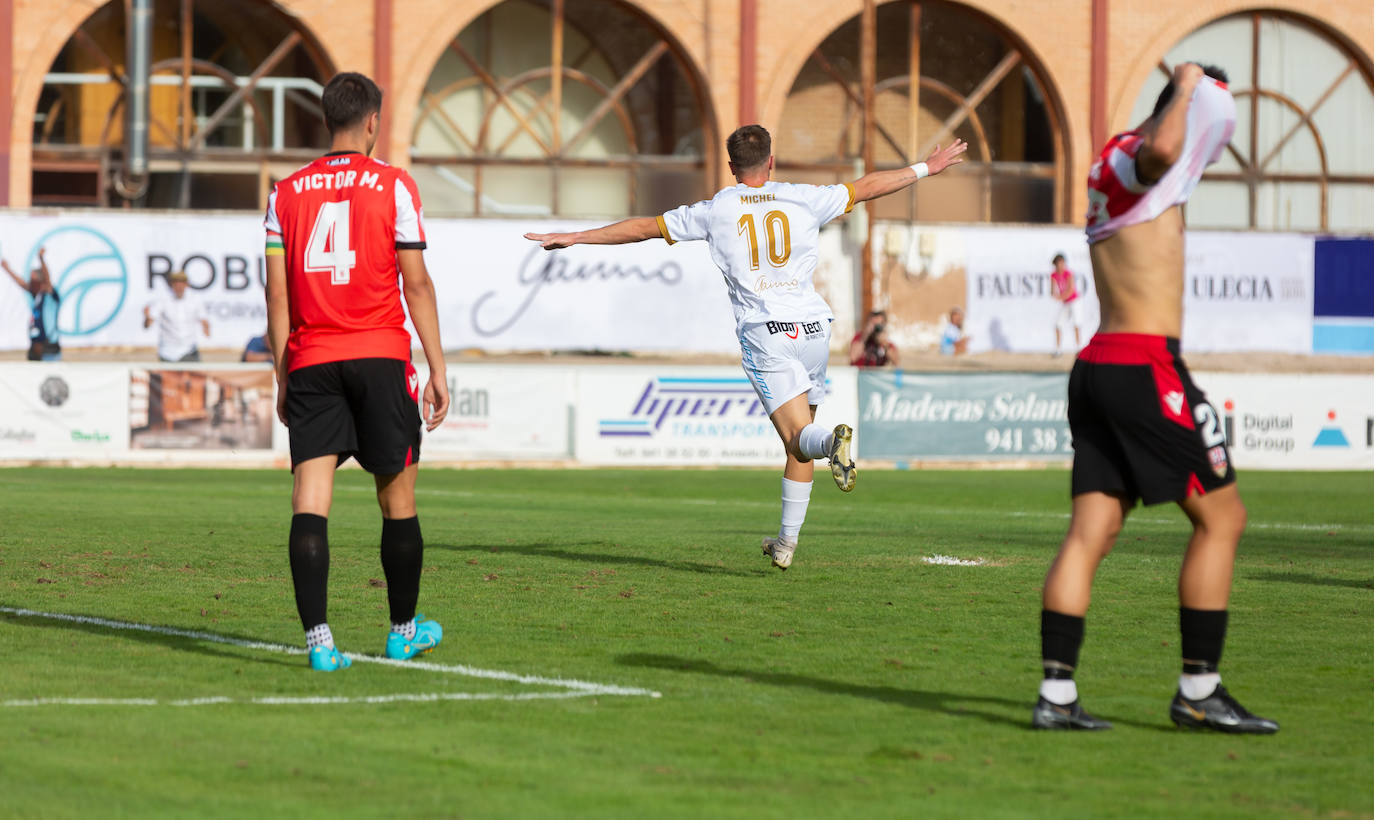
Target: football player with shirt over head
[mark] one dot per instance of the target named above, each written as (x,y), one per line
(1141,429)
(763,235)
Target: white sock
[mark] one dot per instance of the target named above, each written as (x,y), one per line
(815,441)
(319,636)
(1197,687)
(796,495)
(406,630)
(1059,692)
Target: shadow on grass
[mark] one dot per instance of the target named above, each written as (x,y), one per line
(182,643)
(1314,580)
(543,550)
(950,703)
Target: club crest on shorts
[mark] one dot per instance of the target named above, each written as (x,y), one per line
(1217,455)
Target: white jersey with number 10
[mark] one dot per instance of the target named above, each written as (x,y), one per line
(764,240)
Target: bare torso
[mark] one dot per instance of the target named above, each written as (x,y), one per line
(1139,276)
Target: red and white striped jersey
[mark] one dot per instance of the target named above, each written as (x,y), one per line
(1117,198)
(339,222)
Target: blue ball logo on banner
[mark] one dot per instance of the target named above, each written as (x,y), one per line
(89,275)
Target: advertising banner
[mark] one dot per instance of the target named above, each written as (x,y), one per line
(63,410)
(500,291)
(982,416)
(107,267)
(1295,422)
(218,409)
(1241,291)
(686,415)
(504,412)
(496,289)
(1248,291)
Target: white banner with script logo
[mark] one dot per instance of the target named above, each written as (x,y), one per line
(67,411)
(500,291)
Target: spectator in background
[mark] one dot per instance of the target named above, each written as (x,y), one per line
(177,318)
(1065,289)
(871,346)
(954,341)
(257,350)
(44,303)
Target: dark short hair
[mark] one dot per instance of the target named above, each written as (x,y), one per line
(749,147)
(1058,257)
(1215,72)
(349,99)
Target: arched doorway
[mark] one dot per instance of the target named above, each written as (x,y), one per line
(1299,159)
(971,78)
(578,108)
(233,101)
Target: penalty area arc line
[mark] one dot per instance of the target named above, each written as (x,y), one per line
(578,687)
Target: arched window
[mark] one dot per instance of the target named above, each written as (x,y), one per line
(1300,157)
(970,80)
(233,100)
(574,108)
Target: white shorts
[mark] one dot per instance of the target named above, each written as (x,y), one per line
(785,359)
(1070,314)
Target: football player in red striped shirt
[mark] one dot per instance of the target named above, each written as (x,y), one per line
(337,231)
(1141,429)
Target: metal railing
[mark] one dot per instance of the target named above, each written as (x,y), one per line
(279,87)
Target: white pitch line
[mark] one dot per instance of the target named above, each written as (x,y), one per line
(421,697)
(577,686)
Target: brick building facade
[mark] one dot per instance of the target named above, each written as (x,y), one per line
(1085,64)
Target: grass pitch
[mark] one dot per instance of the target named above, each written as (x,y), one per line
(861,683)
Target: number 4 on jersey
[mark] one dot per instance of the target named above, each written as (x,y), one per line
(328,249)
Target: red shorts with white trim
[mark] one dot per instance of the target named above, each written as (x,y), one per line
(366,409)
(1141,428)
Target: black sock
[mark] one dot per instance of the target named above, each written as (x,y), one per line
(1061,636)
(403,552)
(309,547)
(1204,634)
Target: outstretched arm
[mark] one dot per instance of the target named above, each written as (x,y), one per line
(623,232)
(20,282)
(881,183)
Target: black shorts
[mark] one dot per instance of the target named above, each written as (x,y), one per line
(362,408)
(1141,428)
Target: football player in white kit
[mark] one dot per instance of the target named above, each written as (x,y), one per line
(763,236)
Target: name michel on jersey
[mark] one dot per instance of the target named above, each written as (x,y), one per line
(754,199)
(336,181)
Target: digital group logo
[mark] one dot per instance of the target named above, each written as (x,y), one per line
(89,274)
(1331,434)
(665,401)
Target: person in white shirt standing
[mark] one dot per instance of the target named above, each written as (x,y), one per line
(763,235)
(178,317)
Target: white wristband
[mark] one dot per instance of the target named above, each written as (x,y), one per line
(922,170)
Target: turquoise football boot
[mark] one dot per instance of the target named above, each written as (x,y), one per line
(327,659)
(428,634)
